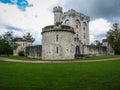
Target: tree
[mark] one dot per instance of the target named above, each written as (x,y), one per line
(1,45)
(113,37)
(7,43)
(96,42)
(5,47)
(28,37)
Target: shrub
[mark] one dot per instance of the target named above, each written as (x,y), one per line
(21,53)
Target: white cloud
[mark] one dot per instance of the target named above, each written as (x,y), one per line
(32,20)
(40,15)
(98,29)
(92,38)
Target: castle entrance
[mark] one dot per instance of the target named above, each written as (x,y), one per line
(77,51)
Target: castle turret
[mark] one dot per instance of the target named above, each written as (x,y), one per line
(57,14)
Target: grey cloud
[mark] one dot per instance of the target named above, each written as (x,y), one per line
(13,28)
(107,9)
(9,27)
(100,36)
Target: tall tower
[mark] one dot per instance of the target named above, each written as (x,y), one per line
(80,23)
(57,14)
(57,42)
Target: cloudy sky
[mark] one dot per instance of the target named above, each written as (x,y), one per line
(21,16)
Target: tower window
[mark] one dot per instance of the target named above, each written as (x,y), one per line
(57,50)
(57,38)
(83,28)
(76,26)
(84,36)
(77,35)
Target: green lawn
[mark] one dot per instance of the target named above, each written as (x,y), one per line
(100,57)
(75,76)
(20,57)
(85,58)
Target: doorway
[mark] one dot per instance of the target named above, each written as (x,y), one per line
(77,51)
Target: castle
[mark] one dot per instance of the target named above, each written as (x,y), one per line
(67,38)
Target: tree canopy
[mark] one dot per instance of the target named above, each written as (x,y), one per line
(28,37)
(96,43)
(6,43)
(113,37)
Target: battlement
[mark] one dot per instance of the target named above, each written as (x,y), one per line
(57,9)
(72,12)
(51,28)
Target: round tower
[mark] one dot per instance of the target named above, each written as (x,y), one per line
(58,43)
(57,14)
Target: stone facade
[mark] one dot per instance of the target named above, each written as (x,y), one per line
(68,37)
(110,50)
(22,44)
(79,22)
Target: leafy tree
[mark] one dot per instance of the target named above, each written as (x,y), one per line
(7,43)
(113,37)
(97,43)
(28,37)
(5,47)
(1,45)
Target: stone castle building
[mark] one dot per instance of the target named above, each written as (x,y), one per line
(22,44)
(68,37)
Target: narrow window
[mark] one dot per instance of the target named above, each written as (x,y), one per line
(57,38)
(83,28)
(84,36)
(76,26)
(57,51)
(77,35)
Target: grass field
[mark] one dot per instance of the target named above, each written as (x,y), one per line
(101,57)
(75,76)
(85,58)
(20,57)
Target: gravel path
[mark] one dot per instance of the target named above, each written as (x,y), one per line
(50,61)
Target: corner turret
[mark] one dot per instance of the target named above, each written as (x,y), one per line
(57,14)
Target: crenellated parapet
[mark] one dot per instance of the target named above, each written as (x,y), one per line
(74,13)
(52,28)
(57,9)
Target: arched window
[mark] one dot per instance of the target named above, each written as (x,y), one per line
(77,22)
(67,22)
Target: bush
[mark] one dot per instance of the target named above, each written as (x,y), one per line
(21,53)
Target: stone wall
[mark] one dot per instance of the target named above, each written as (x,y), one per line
(21,46)
(34,51)
(95,50)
